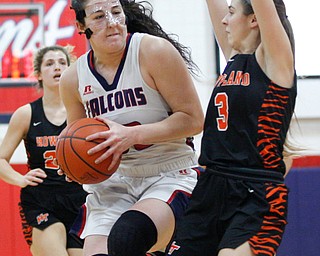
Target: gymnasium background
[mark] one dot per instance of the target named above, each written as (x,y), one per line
(28,25)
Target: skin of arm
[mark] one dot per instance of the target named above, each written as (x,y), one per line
(169,75)
(274,54)
(288,161)
(17,130)
(218,9)
(70,95)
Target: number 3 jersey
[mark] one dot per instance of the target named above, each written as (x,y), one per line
(247,118)
(130,101)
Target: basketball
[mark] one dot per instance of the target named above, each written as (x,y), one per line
(72,148)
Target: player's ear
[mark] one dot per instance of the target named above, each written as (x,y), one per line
(80,28)
(253,21)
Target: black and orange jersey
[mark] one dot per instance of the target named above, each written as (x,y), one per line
(54,200)
(40,144)
(247,119)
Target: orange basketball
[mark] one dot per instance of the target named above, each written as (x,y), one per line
(72,148)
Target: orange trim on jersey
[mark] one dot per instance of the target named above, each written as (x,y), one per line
(267,240)
(269,125)
(26,228)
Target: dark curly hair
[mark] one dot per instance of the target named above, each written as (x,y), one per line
(139,19)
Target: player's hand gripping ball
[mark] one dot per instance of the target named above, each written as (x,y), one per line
(72,148)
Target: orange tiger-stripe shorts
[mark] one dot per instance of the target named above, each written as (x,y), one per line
(225,212)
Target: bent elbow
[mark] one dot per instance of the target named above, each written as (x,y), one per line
(198,125)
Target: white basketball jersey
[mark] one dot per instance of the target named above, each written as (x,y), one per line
(130,101)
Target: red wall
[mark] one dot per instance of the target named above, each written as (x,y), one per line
(12,242)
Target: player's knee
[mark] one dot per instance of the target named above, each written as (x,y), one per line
(133,234)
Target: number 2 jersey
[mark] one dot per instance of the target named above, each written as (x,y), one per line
(247,119)
(40,144)
(130,101)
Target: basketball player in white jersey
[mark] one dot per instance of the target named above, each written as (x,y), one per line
(136,79)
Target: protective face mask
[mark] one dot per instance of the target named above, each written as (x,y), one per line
(102,14)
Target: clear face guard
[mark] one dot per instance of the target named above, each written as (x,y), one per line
(105,13)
